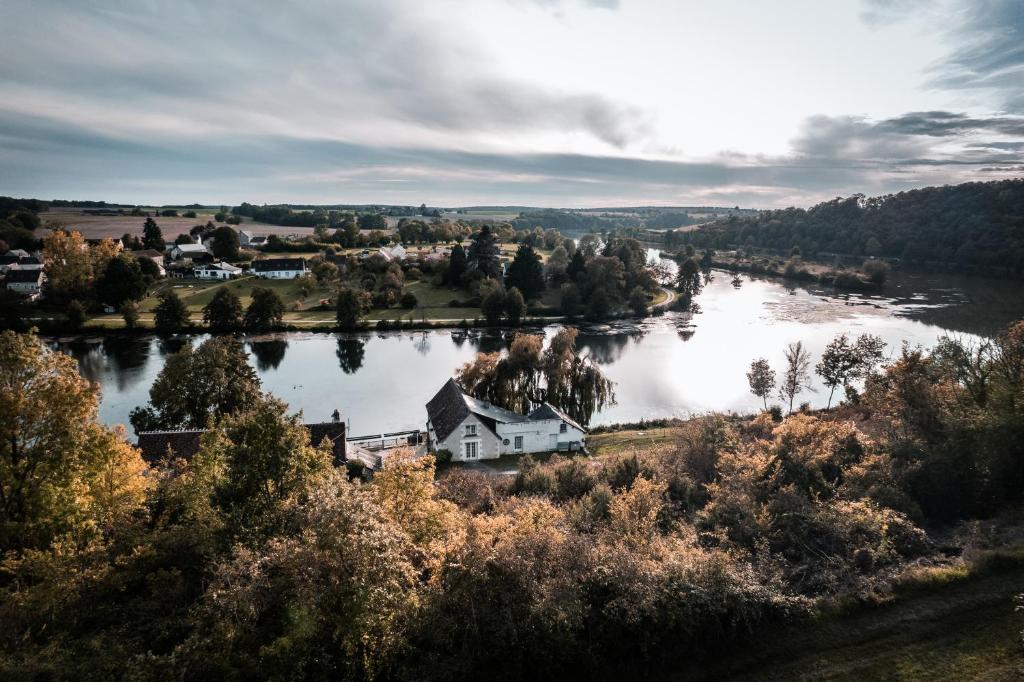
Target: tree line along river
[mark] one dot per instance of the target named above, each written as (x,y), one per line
(674,365)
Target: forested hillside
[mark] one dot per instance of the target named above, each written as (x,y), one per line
(977,226)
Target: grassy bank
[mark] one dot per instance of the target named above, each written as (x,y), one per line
(953,624)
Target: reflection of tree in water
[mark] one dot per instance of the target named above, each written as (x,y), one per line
(125,356)
(88,355)
(171,344)
(268,354)
(350,354)
(606,348)
(422,343)
(488,342)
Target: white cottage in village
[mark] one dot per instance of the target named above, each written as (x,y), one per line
(473,429)
(220,270)
(280,268)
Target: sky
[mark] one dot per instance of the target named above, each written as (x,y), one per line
(563,103)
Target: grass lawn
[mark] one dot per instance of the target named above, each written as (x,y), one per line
(623,441)
(963,630)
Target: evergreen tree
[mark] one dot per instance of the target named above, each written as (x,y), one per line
(152,236)
(456,266)
(484,253)
(526,273)
(577,266)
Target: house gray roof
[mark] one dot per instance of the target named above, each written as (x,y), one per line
(549,411)
(451,405)
(184,443)
(274,264)
(23,276)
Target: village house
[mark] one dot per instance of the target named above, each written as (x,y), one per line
(184,443)
(28,282)
(193,251)
(280,268)
(247,239)
(473,429)
(220,270)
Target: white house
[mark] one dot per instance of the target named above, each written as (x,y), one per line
(398,252)
(220,270)
(179,251)
(473,429)
(280,268)
(245,237)
(26,282)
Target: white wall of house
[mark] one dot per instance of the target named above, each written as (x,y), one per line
(24,287)
(488,445)
(537,436)
(281,274)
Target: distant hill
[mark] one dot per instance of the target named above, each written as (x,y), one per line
(974,227)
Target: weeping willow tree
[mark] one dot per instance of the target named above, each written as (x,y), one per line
(529,374)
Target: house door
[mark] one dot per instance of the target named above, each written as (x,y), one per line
(553,441)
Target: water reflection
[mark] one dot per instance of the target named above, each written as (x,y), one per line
(268,354)
(661,366)
(350,354)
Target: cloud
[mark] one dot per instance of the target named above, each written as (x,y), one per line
(878,13)
(832,156)
(357,69)
(988,51)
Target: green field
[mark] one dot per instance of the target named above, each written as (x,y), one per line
(963,630)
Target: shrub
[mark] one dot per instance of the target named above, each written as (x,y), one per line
(409,300)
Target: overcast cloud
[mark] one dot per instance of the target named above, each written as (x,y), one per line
(541,102)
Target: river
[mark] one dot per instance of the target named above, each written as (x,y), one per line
(673,365)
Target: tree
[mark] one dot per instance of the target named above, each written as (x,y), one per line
(492,304)
(876,270)
(266,456)
(484,253)
(577,266)
(325,272)
(184,238)
(53,454)
(456,266)
(68,266)
(574,383)
(130,312)
(152,236)
(688,281)
(515,305)
(170,314)
(638,302)
(265,311)
(196,385)
(842,361)
(122,280)
(796,374)
(224,311)
(350,306)
(761,378)
(526,273)
(572,300)
(225,243)
(76,314)
(557,265)
(408,300)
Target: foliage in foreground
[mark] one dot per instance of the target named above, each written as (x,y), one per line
(259,558)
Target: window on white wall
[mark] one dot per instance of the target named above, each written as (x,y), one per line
(519,443)
(562,428)
(470,429)
(472,450)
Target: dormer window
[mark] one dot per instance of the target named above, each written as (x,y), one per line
(563,427)
(470,429)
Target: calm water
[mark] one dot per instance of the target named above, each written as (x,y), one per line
(674,365)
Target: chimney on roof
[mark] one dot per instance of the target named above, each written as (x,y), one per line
(336,416)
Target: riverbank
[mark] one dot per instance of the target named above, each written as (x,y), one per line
(320,317)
